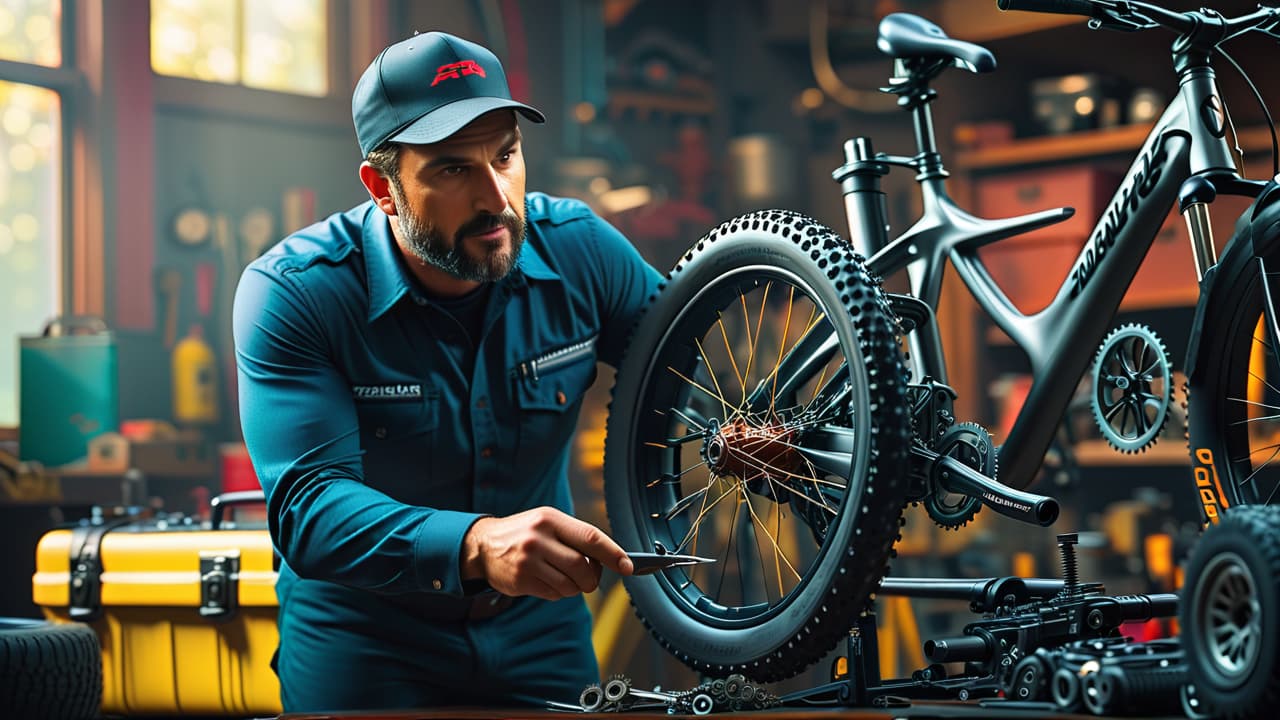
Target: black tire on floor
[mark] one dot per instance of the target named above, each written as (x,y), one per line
(49,671)
(1231,613)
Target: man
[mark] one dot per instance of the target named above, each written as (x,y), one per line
(411,372)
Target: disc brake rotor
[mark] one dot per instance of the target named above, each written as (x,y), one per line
(1132,388)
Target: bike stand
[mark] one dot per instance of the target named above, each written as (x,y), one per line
(862,686)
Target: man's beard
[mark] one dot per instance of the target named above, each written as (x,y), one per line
(428,243)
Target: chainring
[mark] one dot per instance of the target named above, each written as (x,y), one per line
(969,443)
(1132,388)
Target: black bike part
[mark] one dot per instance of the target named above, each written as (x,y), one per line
(903,35)
(49,671)
(969,443)
(829,458)
(1233,369)
(1057,7)
(956,477)
(1231,613)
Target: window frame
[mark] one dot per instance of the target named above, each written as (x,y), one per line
(329,110)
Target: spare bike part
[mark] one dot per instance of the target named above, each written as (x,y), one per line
(969,443)
(760,418)
(1132,388)
(1231,613)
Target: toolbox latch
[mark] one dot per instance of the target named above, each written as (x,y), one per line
(219,583)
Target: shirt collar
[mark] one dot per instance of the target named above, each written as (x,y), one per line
(388,278)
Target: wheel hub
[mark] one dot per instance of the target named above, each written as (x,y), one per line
(752,454)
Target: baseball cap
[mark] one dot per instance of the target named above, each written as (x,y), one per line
(426,88)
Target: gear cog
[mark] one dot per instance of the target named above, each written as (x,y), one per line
(969,443)
(1132,388)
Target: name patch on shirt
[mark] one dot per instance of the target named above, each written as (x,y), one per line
(391,392)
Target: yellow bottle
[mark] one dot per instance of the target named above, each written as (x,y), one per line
(195,392)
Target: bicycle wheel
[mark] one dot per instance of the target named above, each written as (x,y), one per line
(760,418)
(1230,614)
(1233,393)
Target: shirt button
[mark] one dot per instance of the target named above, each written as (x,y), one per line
(560,398)
(437,584)
(482,403)
(380,433)
(487,452)
(420,300)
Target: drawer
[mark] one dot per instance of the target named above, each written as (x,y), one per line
(1031,268)
(1167,276)
(1083,187)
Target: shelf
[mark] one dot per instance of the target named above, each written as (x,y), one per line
(1082,145)
(1088,143)
(1166,452)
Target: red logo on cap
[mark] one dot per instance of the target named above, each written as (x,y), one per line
(458,69)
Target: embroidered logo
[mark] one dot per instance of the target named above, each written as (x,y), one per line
(395,391)
(457,70)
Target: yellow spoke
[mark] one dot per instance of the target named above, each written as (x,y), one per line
(782,345)
(759,322)
(708,392)
(777,550)
(724,334)
(697,521)
(712,372)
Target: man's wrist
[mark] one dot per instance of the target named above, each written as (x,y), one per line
(471,559)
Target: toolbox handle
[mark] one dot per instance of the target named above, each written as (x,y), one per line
(74,325)
(219,503)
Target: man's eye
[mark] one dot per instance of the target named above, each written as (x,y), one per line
(454,170)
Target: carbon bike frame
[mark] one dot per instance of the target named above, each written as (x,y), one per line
(1061,339)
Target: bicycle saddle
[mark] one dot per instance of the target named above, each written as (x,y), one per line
(903,35)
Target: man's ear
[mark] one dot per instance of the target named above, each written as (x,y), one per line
(379,188)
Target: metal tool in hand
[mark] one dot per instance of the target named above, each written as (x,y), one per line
(647,563)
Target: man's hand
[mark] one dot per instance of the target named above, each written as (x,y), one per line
(541,552)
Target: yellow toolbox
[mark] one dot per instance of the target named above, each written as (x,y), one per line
(186,615)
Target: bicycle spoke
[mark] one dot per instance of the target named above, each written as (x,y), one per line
(742,383)
(751,509)
(755,341)
(714,396)
(670,479)
(782,345)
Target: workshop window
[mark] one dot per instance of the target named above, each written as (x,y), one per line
(279,45)
(30,32)
(32,180)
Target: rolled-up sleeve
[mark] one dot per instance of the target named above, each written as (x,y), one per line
(301,429)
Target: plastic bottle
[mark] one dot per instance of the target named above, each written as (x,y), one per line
(195,392)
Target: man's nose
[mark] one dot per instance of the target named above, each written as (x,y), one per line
(491,192)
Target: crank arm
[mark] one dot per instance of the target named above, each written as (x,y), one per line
(955,477)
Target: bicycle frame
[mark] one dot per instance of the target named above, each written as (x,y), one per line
(1060,339)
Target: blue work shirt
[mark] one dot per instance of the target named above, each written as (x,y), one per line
(376,442)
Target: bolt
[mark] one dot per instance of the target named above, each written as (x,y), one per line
(1070,573)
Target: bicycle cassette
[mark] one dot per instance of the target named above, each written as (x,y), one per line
(1132,388)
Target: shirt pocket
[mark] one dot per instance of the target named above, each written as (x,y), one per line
(397,438)
(549,391)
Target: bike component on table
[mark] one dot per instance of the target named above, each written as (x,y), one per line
(1231,613)
(762,424)
(735,693)
(969,443)
(1132,388)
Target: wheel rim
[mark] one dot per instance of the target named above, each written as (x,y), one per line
(1243,437)
(1229,618)
(740,446)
